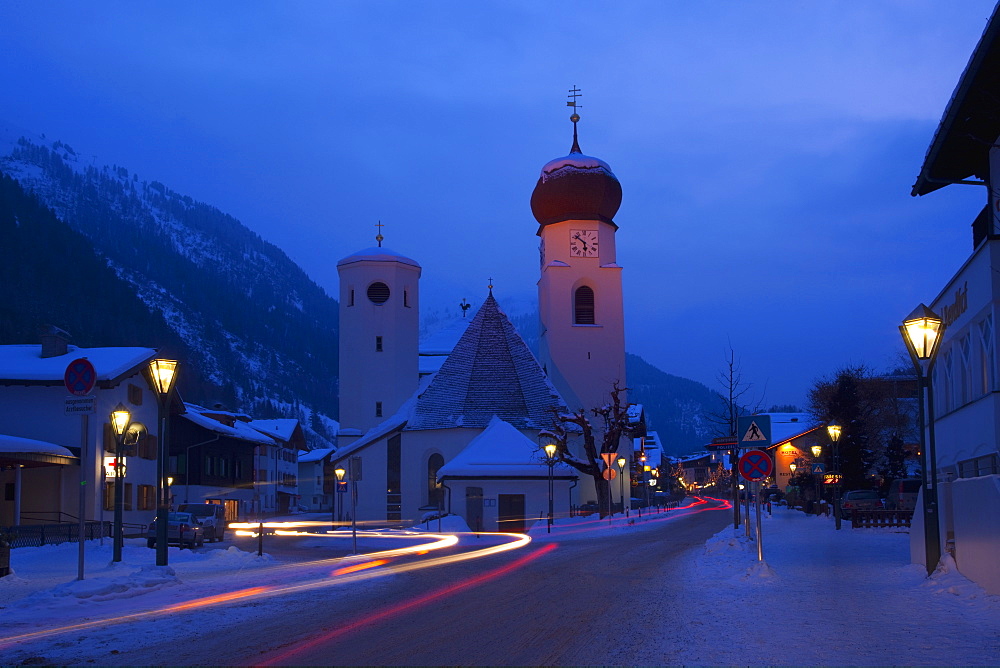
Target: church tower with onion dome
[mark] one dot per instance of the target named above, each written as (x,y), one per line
(379,332)
(582,343)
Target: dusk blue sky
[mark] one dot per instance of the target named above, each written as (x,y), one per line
(765,149)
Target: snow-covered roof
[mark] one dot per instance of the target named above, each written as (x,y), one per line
(25,363)
(240,430)
(306,456)
(500,451)
(18,445)
(281,429)
(490,372)
(786,426)
(377,254)
(443,339)
(573,162)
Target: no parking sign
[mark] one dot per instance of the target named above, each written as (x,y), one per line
(755,465)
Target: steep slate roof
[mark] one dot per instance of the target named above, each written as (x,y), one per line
(490,372)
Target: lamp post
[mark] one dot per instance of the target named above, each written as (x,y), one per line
(922,332)
(834,430)
(621,483)
(338,498)
(550,460)
(164,375)
(120,418)
(817,450)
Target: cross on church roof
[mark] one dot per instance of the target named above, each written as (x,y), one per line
(379,237)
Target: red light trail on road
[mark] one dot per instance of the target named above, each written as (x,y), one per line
(407,606)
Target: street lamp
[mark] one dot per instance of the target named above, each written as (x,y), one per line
(817,450)
(792,466)
(120,418)
(550,460)
(164,376)
(922,332)
(621,483)
(338,499)
(834,430)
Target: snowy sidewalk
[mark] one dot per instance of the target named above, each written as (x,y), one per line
(822,597)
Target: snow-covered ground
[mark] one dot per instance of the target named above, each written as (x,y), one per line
(820,597)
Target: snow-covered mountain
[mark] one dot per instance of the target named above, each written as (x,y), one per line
(257,334)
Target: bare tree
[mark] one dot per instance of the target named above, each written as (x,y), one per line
(735,397)
(567,426)
(735,391)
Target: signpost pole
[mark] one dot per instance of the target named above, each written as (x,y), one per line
(84,459)
(760,539)
(79,379)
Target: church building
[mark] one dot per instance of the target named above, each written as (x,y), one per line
(465,438)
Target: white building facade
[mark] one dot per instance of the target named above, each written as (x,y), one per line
(965,377)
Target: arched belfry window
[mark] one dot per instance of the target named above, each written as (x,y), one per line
(583,306)
(434,489)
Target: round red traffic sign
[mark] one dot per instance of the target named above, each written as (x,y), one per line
(80,377)
(755,465)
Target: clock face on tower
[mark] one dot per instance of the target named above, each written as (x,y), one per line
(583,243)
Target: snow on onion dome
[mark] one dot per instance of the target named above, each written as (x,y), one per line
(377,254)
(576,187)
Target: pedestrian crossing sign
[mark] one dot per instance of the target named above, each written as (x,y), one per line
(754,431)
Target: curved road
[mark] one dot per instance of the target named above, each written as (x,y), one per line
(552,603)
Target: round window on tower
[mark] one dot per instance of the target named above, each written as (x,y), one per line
(378,292)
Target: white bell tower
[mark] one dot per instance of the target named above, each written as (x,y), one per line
(379,332)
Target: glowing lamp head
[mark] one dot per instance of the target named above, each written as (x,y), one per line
(340,473)
(170,481)
(792,467)
(550,450)
(817,450)
(120,418)
(621,462)
(834,429)
(164,373)
(922,331)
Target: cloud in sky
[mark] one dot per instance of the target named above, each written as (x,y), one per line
(766,150)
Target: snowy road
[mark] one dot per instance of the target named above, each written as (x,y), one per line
(592,592)
(554,603)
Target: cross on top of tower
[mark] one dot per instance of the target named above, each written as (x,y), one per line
(490,286)
(574,93)
(378,237)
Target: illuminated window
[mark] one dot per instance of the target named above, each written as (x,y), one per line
(583,306)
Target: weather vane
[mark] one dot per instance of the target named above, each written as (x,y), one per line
(464,306)
(379,237)
(574,93)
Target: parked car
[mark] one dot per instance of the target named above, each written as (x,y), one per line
(902,494)
(859,499)
(182,529)
(212,516)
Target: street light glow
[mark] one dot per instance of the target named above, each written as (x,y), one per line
(550,450)
(834,429)
(922,332)
(817,450)
(120,417)
(163,374)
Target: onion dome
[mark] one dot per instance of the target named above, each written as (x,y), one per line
(576,187)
